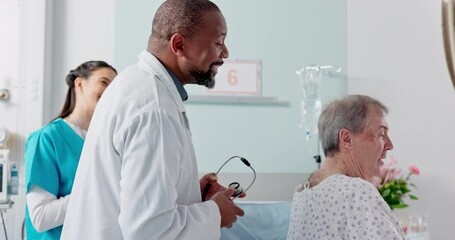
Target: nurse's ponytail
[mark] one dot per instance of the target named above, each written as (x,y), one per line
(83,71)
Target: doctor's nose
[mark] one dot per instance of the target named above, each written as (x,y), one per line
(224,52)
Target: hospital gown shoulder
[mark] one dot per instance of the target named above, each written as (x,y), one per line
(342,207)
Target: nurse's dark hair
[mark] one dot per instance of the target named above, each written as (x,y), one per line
(350,112)
(84,71)
(178,16)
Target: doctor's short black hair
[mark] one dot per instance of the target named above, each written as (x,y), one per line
(180,16)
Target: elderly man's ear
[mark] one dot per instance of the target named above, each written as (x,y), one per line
(345,137)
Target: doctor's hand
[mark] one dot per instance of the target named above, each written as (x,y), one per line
(209,186)
(228,210)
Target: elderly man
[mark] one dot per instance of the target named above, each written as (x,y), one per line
(339,201)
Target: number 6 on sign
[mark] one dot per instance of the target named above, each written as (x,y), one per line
(232,77)
(238,78)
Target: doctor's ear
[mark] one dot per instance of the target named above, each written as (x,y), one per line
(177,44)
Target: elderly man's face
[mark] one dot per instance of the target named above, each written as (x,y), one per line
(371,146)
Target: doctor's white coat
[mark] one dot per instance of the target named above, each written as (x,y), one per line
(137,177)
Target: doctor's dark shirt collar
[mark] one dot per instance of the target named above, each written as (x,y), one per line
(179,85)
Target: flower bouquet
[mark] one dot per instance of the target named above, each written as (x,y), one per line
(394,187)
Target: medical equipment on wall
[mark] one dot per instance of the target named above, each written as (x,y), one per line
(7,170)
(235,185)
(4,176)
(310,105)
(5,202)
(9,180)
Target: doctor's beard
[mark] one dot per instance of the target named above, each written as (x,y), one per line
(206,79)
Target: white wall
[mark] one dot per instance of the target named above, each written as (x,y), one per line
(83,31)
(395,53)
(23,73)
(76,31)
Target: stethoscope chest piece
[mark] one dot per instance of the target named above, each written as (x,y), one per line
(238,189)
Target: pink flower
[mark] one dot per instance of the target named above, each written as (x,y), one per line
(415,170)
(393,186)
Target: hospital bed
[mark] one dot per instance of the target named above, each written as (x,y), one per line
(262,221)
(267,206)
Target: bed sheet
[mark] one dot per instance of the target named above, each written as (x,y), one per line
(262,221)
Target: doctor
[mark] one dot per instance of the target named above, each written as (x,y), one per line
(137,177)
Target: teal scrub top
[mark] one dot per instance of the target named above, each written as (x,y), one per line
(51,158)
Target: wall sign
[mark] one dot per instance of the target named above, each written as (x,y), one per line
(238,77)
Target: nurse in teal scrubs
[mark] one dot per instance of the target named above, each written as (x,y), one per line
(52,152)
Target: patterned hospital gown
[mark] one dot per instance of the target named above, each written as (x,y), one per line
(342,207)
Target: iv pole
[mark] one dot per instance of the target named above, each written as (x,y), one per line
(310,82)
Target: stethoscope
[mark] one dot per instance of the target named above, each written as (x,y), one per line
(235,185)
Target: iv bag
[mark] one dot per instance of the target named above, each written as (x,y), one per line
(310,104)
